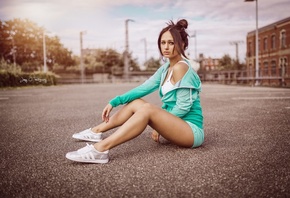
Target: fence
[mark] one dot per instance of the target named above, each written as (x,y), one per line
(223,77)
(247,78)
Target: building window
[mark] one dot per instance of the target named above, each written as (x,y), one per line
(259,48)
(266,69)
(283,39)
(273,68)
(286,64)
(273,43)
(251,70)
(265,44)
(250,49)
(283,66)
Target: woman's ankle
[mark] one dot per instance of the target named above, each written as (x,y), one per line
(99,148)
(96,130)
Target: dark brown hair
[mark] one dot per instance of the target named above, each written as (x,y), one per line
(180,36)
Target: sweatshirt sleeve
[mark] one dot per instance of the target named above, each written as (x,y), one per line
(149,86)
(185,98)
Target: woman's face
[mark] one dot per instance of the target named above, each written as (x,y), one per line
(167,45)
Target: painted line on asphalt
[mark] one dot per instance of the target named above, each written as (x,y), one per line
(261,98)
(15,95)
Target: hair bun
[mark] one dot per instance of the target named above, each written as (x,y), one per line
(182,23)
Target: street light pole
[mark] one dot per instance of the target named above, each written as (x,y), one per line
(126,58)
(257,45)
(81,57)
(44,53)
(195,44)
(145,49)
(236,43)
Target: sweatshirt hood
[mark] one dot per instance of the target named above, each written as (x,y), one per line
(189,80)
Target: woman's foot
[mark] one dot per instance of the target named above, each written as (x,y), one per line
(155,136)
(88,135)
(88,154)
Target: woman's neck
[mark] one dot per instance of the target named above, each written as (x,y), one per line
(174,60)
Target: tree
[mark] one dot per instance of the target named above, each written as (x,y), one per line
(133,65)
(22,43)
(109,58)
(226,63)
(152,64)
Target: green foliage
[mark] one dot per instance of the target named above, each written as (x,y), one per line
(152,64)
(227,63)
(11,76)
(22,43)
(9,67)
(10,79)
(106,61)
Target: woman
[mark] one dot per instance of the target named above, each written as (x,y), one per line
(180,119)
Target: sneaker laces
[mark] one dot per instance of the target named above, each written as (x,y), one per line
(85,149)
(85,131)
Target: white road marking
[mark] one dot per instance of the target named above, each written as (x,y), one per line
(261,98)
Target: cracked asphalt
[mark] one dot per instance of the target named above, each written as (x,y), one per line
(246,152)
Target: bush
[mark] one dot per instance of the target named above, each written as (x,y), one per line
(15,79)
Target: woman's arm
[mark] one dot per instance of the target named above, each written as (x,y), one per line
(185,98)
(149,86)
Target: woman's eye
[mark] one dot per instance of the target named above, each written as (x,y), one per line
(171,43)
(162,42)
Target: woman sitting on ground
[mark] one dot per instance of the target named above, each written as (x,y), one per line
(179,120)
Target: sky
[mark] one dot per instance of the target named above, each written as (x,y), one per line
(215,24)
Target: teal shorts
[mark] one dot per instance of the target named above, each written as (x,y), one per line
(198,135)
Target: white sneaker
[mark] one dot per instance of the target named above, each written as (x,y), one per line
(88,154)
(88,135)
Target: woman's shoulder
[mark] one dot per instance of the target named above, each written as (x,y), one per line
(180,68)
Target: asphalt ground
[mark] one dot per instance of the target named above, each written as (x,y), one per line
(246,152)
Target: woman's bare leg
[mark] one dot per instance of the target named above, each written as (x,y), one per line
(120,117)
(169,126)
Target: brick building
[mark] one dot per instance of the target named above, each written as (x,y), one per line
(274,53)
(208,64)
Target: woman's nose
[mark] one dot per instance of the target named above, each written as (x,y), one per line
(166,46)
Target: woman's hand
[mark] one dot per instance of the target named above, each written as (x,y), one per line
(155,136)
(106,113)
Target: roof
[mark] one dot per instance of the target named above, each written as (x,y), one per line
(270,26)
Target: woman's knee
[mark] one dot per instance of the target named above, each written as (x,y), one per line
(136,104)
(148,108)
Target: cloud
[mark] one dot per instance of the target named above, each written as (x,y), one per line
(216,23)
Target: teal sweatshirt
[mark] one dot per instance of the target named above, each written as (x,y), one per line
(183,101)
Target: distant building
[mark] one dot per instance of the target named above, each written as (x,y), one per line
(274,53)
(208,64)
(89,51)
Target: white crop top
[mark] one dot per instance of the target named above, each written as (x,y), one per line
(168,86)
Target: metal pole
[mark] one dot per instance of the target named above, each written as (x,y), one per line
(237,52)
(81,58)
(14,54)
(126,54)
(257,46)
(44,54)
(195,45)
(145,49)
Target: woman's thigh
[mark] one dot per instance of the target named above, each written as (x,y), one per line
(171,127)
